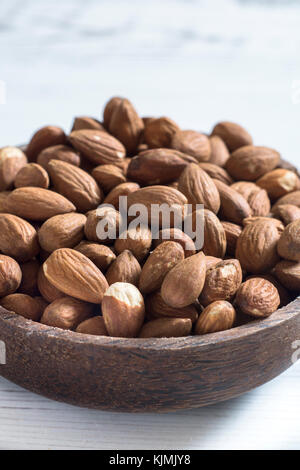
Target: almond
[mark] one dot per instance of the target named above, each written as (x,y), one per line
(177,235)
(93,326)
(158,264)
(256,247)
(97,146)
(37,203)
(158,195)
(166,328)
(199,188)
(138,241)
(157,166)
(123,310)
(47,136)
(76,275)
(222,281)
(269,220)
(291,198)
(285,296)
(62,231)
(108,176)
(101,255)
(125,268)
(211,261)
(126,125)
(288,273)
(257,297)
(289,243)
(10,275)
(234,135)
(123,189)
(109,109)
(183,284)
(23,305)
(3,196)
(156,307)
(192,143)
(219,153)
(214,236)
(85,122)
(30,272)
(18,238)
(32,174)
(47,290)
(216,172)
(257,198)
(66,313)
(232,233)
(58,152)
(288,213)
(109,218)
(218,316)
(279,182)
(250,162)
(158,133)
(12,159)
(234,207)
(76,185)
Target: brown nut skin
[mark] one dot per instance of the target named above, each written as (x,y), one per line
(108,176)
(158,264)
(184,283)
(257,297)
(250,162)
(123,189)
(66,313)
(256,247)
(32,174)
(222,281)
(123,310)
(86,122)
(288,213)
(178,236)
(58,152)
(45,137)
(12,159)
(62,231)
(199,188)
(232,233)
(192,143)
(211,261)
(76,185)
(156,307)
(234,135)
(219,153)
(101,255)
(107,216)
(92,326)
(214,236)
(18,238)
(279,182)
(288,245)
(30,272)
(288,273)
(216,172)
(24,305)
(76,275)
(138,241)
(158,132)
(234,207)
(218,316)
(166,328)
(10,275)
(291,198)
(256,197)
(126,125)
(46,289)
(109,109)
(125,268)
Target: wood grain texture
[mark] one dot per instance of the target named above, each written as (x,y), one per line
(147,375)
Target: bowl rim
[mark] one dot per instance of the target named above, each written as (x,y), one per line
(278,318)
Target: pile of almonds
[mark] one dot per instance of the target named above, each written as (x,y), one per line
(54,269)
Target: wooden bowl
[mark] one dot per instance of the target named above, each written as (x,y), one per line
(147,374)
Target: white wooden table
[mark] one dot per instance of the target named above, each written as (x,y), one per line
(198,62)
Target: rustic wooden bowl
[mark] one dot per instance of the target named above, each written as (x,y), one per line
(139,375)
(147,374)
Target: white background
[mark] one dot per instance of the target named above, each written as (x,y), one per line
(197,62)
